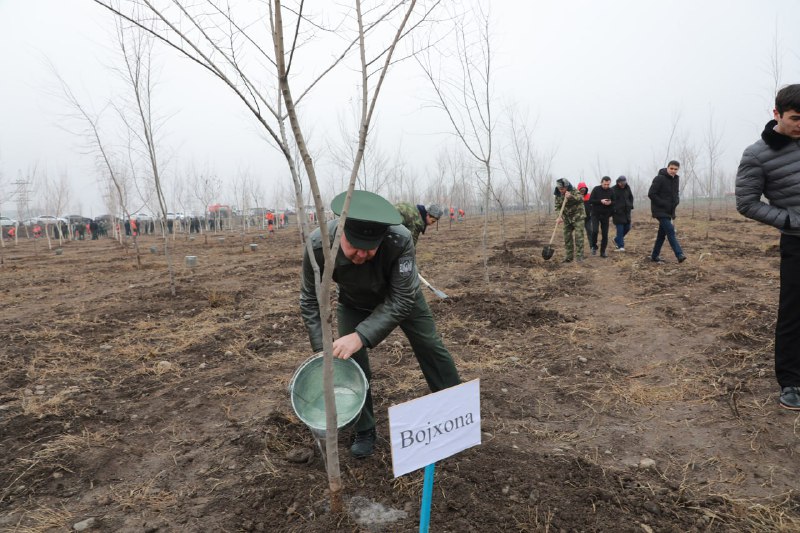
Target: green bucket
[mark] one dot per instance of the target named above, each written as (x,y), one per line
(307,393)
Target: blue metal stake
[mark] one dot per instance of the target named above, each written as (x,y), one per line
(427,496)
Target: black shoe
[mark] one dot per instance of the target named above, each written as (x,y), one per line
(790,398)
(603,254)
(567,261)
(594,250)
(657,260)
(681,258)
(363,444)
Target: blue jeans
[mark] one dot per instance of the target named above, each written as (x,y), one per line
(666,231)
(622,230)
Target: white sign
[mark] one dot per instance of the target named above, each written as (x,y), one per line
(435,426)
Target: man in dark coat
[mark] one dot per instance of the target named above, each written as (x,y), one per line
(379,290)
(664,197)
(623,205)
(771,167)
(602,202)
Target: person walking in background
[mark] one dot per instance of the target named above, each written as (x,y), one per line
(572,217)
(623,205)
(417,218)
(271,221)
(601,200)
(771,167)
(583,189)
(664,197)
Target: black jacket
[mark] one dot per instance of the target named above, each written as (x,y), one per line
(664,194)
(598,209)
(771,167)
(623,204)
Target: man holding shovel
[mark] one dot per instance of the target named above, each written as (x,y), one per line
(771,167)
(379,289)
(572,217)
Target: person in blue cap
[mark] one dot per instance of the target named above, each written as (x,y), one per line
(379,290)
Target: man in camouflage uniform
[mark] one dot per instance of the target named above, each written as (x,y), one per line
(572,218)
(417,218)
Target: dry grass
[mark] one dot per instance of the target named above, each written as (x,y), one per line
(141,496)
(44,520)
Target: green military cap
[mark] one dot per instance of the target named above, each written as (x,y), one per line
(368,220)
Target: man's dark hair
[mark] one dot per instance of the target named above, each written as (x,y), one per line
(788,98)
(674,163)
(606,178)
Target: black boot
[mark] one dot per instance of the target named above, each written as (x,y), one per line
(363,444)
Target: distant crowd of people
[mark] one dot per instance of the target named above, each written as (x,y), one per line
(588,215)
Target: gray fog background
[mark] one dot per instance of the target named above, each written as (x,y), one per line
(603,81)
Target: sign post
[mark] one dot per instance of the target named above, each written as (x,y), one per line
(427,497)
(431,428)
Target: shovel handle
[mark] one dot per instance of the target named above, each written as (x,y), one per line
(563,205)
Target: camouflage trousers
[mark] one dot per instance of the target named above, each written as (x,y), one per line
(573,239)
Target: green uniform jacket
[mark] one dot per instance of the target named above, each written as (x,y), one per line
(574,211)
(412,219)
(387,286)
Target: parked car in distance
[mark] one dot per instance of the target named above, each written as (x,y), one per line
(47,220)
(76,219)
(175,216)
(142,217)
(5,221)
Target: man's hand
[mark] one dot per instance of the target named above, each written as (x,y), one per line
(558,221)
(567,195)
(344,347)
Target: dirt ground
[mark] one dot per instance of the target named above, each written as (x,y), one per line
(616,395)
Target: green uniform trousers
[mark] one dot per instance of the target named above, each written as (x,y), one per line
(573,238)
(434,360)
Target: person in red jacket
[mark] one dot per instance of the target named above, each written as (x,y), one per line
(271,221)
(587,224)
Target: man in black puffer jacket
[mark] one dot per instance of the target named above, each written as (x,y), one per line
(664,199)
(771,167)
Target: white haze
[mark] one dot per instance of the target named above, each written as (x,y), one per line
(603,81)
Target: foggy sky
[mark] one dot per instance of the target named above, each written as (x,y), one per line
(603,81)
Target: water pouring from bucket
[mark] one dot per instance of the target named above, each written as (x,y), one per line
(307,394)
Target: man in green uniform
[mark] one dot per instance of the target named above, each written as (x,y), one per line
(379,289)
(572,218)
(417,218)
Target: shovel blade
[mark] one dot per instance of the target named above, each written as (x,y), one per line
(547,252)
(437,292)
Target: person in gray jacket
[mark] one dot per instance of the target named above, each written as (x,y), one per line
(771,167)
(379,290)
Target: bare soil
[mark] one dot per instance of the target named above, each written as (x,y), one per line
(149,412)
